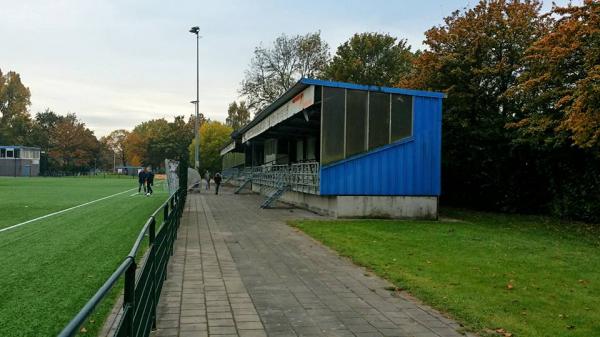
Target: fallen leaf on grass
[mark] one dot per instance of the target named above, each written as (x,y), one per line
(83,330)
(510,286)
(503,332)
(570,327)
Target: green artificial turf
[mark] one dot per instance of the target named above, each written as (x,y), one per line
(531,276)
(51,267)
(22,199)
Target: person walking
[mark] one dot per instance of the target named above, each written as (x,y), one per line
(142,180)
(207,178)
(217,182)
(149,182)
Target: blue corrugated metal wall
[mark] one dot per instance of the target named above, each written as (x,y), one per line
(408,167)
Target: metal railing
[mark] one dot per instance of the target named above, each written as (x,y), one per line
(143,285)
(299,177)
(304,177)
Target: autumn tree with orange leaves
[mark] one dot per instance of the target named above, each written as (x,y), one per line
(475,57)
(522,118)
(560,85)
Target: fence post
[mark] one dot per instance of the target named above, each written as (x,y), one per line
(168,224)
(177,212)
(152,261)
(129,295)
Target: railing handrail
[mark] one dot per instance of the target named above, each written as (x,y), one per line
(140,237)
(73,326)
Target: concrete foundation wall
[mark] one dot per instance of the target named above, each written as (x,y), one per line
(19,167)
(389,207)
(325,205)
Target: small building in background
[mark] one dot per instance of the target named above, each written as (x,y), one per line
(128,170)
(19,161)
(344,149)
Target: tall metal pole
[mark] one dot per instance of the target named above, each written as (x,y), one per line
(197,142)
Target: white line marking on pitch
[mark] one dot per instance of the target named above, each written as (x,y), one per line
(62,211)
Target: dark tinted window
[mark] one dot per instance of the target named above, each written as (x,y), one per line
(379,119)
(356,122)
(401,116)
(333,125)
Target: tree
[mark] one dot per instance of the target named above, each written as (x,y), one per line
(371,58)
(15,121)
(115,141)
(42,128)
(73,146)
(173,142)
(151,142)
(274,70)
(475,57)
(214,136)
(238,115)
(560,84)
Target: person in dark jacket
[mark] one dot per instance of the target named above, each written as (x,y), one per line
(217,179)
(142,180)
(149,182)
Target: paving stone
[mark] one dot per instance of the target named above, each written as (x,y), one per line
(220,322)
(192,320)
(193,313)
(252,333)
(167,323)
(222,330)
(219,315)
(247,318)
(193,334)
(166,332)
(249,325)
(193,327)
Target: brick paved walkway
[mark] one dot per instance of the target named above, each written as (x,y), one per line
(241,271)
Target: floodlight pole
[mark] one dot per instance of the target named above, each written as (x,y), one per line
(196,30)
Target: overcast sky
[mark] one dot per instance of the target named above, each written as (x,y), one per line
(116,63)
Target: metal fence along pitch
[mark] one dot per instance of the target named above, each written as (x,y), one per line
(143,284)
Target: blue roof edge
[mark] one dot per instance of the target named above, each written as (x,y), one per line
(305,81)
(390,90)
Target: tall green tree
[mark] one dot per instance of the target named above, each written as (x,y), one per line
(116,142)
(274,70)
(371,58)
(238,115)
(475,57)
(151,142)
(15,121)
(214,136)
(42,129)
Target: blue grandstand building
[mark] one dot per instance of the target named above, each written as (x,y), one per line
(344,149)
